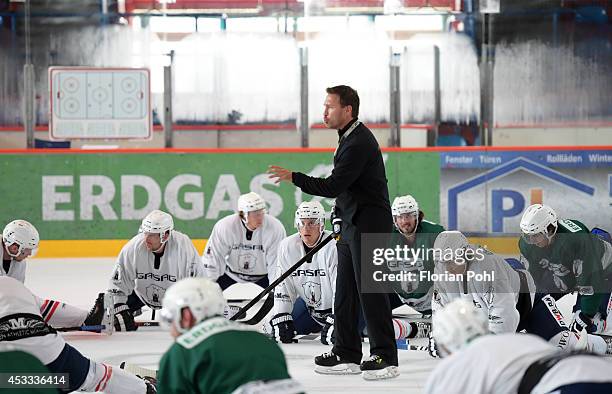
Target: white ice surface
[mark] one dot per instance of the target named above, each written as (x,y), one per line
(78,281)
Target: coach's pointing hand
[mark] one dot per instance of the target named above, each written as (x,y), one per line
(280,173)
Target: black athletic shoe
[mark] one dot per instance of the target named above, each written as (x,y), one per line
(375,368)
(331,364)
(96,314)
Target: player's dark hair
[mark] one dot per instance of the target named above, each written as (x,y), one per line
(348,96)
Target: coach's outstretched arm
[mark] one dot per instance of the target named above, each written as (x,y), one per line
(347,169)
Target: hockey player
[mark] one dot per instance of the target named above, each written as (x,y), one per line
(507,363)
(18,363)
(303,302)
(564,257)
(212,354)
(156,258)
(22,325)
(242,247)
(415,235)
(504,290)
(19,241)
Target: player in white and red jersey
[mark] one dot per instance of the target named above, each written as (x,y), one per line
(22,325)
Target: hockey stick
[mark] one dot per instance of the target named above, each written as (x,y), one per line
(101,327)
(138,370)
(270,301)
(262,312)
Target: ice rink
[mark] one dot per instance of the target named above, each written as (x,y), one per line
(78,281)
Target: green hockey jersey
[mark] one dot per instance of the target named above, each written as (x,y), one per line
(416,292)
(218,356)
(17,362)
(576,260)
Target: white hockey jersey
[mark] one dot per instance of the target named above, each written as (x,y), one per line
(16,269)
(314,282)
(244,255)
(136,268)
(495,364)
(57,314)
(495,288)
(22,325)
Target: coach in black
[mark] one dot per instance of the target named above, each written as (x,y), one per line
(359,184)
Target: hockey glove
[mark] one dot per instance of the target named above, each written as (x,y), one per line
(282,328)
(327,333)
(124,319)
(230,311)
(336,222)
(584,321)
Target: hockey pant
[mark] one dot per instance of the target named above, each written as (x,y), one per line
(59,314)
(89,376)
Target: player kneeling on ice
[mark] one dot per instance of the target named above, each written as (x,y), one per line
(563,257)
(22,325)
(503,289)
(215,355)
(156,258)
(242,247)
(303,302)
(414,237)
(19,241)
(475,362)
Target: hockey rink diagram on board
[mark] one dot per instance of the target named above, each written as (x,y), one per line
(99,103)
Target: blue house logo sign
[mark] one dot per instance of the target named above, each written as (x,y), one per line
(499,213)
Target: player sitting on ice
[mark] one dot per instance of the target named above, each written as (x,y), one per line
(503,289)
(22,325)
(475,362)
(156,258)
(303,302)
(242,247)
(19,241)
(212,354)
(416,236)
(564,257)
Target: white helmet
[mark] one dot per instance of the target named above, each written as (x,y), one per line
(22,233)
(202,296)
(250,202)
(158,222)
(450,246)
(458,323)
(310,210)
(404,204)
(536,221)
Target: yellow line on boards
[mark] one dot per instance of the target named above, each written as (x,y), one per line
(111,247)
(90,247)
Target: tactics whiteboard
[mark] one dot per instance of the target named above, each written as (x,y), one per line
(99,103)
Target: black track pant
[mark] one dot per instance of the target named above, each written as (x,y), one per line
(376,309)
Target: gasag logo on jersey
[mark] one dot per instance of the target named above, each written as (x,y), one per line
(310,272)
(242,246)
(155,277)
